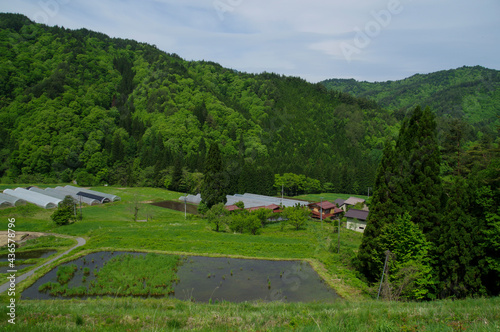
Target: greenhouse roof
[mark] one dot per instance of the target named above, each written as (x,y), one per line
(41,200)
(112,198)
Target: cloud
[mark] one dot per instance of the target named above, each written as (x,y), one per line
(295,37)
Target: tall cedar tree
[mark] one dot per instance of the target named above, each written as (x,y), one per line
(459,254)
(485,208)
(384,209)
(423,187)
(215,184)
(407,181)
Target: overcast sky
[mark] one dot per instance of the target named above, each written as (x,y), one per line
(373,40)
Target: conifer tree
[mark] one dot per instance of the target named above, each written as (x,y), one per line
(407,181)
(424,186)
(383,210)
(214,187)
(459,254)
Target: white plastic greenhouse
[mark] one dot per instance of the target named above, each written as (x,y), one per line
(10,200)
(253,200)
(41,200)
(52,193)
(112,198)
(191,199)
(76,197)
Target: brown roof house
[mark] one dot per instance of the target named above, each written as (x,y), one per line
(356,220)
(330,210)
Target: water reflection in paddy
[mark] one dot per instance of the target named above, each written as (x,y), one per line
(205,279)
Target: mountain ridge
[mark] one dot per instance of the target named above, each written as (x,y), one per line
(472,93)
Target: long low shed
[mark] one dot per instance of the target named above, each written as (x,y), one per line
(82,199)
(43,201)
(110,197)
(12,200)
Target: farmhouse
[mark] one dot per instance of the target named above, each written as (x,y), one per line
(350,202)
(356,219)
(330,210)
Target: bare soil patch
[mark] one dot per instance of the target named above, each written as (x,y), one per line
(20,237)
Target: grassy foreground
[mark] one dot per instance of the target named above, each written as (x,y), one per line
(128,314)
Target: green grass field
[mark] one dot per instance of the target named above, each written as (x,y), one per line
(111,226)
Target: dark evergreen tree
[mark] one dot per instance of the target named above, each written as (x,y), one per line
(458,253)
(423,182)
(485,207)
(215,179)
(385,207)
(177,181)
(407,181)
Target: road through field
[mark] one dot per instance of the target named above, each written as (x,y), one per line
(4,287)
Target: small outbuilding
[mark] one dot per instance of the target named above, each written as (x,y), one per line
(356,219)
(353,201)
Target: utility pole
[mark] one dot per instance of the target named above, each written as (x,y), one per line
(387,253)
(338,241)
(81,216)
(185,208)
(282,185)
(369,191)
(321,212)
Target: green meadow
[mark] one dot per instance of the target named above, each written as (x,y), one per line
(112,227)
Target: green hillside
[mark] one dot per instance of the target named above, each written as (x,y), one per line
(470,93)
(77,104)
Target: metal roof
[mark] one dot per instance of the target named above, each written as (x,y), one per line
(325,205)
(357,214)
(354,201)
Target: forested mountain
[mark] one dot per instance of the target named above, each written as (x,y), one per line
(469,93)
(77,104)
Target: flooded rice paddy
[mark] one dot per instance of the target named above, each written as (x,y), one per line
(208,279)
(23,256)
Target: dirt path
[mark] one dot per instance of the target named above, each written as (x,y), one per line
(81,242)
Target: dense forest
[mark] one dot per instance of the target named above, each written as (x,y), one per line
(468,93)
(79,105)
